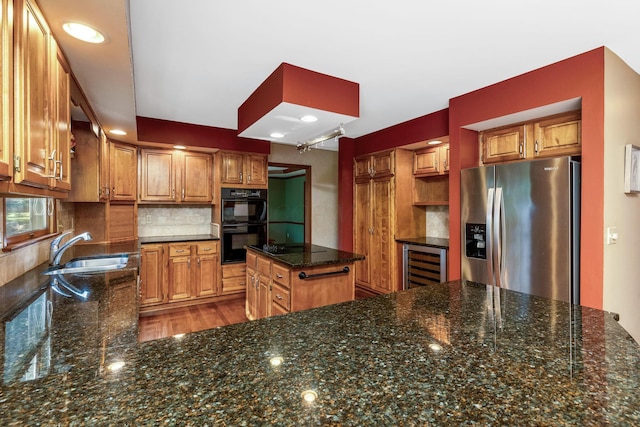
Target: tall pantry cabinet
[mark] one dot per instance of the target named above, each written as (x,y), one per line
(383,211)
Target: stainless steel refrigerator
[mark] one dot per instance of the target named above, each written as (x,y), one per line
(521,227)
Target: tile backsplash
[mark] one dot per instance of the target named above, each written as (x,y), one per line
(173,220)
(438,221)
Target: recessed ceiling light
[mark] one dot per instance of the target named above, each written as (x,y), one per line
(277,135)
(179,147)
(309,118)
(83,32)
(434,142)
(117,132)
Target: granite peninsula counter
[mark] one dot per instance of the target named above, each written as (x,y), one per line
(437,355)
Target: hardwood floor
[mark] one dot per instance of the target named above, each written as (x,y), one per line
(191,319)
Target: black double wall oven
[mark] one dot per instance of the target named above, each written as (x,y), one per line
(244,222)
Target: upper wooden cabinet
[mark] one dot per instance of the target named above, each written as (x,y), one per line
(557,135)
(503,144)
(243,170)
(6,81)
(123,171)
(168,176)
(31,96)
(90,165)
(374,165)
(60,161)
(432,160)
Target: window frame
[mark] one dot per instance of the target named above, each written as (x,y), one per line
(19,239)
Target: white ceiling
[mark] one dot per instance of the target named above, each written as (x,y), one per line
(197,61)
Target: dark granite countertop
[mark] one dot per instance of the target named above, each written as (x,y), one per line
(299,255)
(437,355)
(181,238)
(435,242)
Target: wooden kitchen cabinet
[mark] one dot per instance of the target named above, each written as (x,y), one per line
(234,278)
(375,165)
(178,280)
(559,135)
(60,161)
(168,176)
(503,144)
(6,81)
(151,274)
(551,136)
(275,288)
(431,160)
(31,96)
(383,209)
(243,170)
(90,165)
(178,274)
(123,170)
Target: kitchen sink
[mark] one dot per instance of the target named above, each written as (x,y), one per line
(87,265)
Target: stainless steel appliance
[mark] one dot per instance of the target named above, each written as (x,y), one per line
(244,222)
(423,265)
(521,226)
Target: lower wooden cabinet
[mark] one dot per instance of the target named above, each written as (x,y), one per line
(274,288)
(173,273)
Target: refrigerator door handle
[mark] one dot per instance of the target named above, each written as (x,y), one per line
(489,236)
(498,227)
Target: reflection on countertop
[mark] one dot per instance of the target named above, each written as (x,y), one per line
(299,255)
(447,354)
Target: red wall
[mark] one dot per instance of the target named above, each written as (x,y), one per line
(165,131)
(578,76)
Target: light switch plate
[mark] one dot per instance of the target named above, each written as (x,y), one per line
(612,235)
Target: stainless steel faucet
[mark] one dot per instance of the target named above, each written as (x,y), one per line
(56,251)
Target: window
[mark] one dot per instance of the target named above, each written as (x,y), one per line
(26,218)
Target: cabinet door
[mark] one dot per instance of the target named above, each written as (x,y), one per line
(6,81)
(382,254)
(426,161)
(444,157)
(157,175)
(256,169)
(362,229)
(206,283)
(383,163)
(151,274)
(234,279)
(558,135)
(103,168)
(31,98)
(362,167)
(179,280)
(231,164)
(60,164)
(122,171)
(503,144)
(196,178)
(264,297)
(252,293)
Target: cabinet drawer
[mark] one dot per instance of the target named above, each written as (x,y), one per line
(234,270)
(281,296)
(180,250)
(264,266)
(205,248)
(281,275)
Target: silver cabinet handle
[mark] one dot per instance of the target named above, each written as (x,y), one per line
(280,297)
(179,250)
(279,276)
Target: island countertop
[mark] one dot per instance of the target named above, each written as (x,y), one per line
(300,255)
(437,355)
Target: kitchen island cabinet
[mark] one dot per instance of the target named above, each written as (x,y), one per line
(438,355)
(288,278)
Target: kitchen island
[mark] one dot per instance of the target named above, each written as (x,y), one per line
(437,355)
(282,278)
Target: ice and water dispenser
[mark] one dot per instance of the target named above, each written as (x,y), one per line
(476,240)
